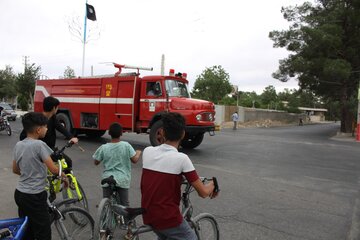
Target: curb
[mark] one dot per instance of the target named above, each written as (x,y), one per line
(354,231)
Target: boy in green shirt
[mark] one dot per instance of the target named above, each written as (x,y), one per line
(116,157)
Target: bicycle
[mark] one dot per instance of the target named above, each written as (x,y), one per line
(69,222)
(75,189)
(109,213)
(13,228)
(4,124)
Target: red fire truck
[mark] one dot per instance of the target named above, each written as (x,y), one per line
(90,104)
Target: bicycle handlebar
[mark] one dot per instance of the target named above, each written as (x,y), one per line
(58,153)
(203,179)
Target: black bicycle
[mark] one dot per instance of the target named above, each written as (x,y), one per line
(4,124)
(111,215)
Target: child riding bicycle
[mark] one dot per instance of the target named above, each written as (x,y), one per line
(116,157)
(163,171)
(31,161)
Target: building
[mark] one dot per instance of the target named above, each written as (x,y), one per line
(314,114)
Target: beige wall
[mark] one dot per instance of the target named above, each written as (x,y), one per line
(223,114)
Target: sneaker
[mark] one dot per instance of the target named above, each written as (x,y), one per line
(128,236)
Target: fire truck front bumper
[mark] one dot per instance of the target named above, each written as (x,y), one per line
(194,130)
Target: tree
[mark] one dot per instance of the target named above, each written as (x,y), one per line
(324,38)
(7,83)
(249,99)
(69,72)
(228,100)
(212,84)
(269,97)
(25,83)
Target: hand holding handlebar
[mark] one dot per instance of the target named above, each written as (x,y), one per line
(216,190)
(65,182)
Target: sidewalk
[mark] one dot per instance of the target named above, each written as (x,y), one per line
(339,136)
(344,137)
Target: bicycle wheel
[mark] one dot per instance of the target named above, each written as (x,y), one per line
(71,192)
(68,229)
(105,223)
(206,227)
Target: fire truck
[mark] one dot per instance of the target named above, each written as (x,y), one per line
(88,105)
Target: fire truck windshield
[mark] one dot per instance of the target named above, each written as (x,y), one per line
(176,88)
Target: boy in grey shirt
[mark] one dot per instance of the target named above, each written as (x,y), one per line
(31,161)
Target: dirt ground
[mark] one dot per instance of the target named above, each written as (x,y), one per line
(260,123)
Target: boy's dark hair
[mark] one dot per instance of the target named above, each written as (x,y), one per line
(49,103)
(115,130)
(32,120)
(174,126)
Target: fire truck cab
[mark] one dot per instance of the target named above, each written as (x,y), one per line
(89,105)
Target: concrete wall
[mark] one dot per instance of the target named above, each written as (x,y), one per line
(223,114)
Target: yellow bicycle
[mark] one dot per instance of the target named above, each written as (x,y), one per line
(75,190)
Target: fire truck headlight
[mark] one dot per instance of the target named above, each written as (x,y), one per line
(198,117)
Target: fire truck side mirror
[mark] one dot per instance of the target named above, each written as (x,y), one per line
(157,89)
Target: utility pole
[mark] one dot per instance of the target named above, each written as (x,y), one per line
(162,65)
(84,42)
(26,60)
(358,117)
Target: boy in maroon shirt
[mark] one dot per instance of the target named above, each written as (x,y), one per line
(163,170)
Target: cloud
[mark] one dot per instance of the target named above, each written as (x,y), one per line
(192,35)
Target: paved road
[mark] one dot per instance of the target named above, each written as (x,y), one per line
(276,183)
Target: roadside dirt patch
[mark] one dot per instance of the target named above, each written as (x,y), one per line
(259,123)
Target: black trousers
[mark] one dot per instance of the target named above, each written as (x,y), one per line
(35,207)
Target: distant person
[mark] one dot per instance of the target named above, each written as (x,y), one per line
(235,119)
(150,89)
(50,108)
(31,161)
(116,158)
(301,122)
(150,93)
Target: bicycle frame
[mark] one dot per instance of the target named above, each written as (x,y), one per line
(56,183)
(15,227)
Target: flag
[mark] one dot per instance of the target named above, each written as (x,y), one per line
(90,12)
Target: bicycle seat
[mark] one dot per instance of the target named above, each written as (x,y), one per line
(110,180)
(129,213)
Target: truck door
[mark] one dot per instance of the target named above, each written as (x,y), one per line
(152,100)
(125,104)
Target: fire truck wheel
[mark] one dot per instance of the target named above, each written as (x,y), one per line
(65,121)
(156,133)
(193,141)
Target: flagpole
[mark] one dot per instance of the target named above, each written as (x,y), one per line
(84,41)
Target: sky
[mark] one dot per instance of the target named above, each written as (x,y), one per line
(193,35)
